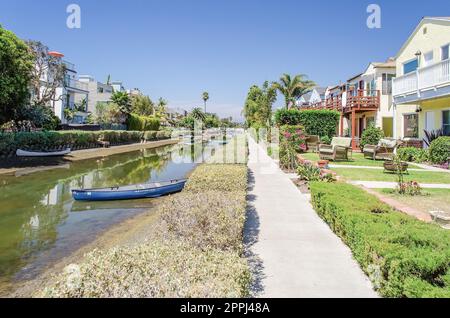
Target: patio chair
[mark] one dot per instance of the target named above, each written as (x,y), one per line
(338,150)
(313,143)
(383,151)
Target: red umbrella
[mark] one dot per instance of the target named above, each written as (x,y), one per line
(55,54)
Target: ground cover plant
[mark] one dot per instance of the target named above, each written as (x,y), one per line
(195,249)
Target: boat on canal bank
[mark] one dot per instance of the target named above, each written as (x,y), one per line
(139,191)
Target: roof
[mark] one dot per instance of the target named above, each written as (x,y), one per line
(356,76)
(321,90)
(423,21)
(307,96)
(388,64)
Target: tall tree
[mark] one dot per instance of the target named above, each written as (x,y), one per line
(161,106)
(293,88)
(16,64)
(47,75)
(122,99)
(142,105)
(205,97)
(258,105)
(198,114)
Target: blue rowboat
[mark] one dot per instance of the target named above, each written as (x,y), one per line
(140,191)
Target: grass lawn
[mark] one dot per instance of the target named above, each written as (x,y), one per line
(378,175)
(358,160)
(431,200)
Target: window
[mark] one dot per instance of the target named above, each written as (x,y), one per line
(445,52)
(410,66)
(387,83)
(428,58)
(446,122)
(411,125)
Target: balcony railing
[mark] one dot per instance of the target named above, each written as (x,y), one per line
(71,83)
(360,100)
(69,66)
(363,100)
(422,79)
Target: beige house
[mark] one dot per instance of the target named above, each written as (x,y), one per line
(363,100)
(421,90)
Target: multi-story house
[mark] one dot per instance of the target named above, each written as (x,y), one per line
(365,99)
(118,86)
(98,92)
(69,93)
(316,95)
(421,90)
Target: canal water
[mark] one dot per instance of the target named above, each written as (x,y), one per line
(40,223)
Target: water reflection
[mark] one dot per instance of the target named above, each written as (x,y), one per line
(40,222)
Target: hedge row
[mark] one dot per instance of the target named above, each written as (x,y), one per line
(194,249)
(143,123)
(403,257)
(57,140)
(316,122)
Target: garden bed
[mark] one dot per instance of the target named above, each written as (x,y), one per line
(402,256)
(195,250)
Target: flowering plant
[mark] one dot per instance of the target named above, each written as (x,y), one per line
(292,142)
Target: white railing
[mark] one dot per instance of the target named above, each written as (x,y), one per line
(405,84)
(424,78)
(69,65)
(76,84)
(434,75)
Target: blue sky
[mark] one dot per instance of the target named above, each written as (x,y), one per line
(179,48)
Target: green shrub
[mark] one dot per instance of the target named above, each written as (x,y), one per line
(325,140)
(51,140)
(150,135)
(440,150)
(412,154)
(160,135)
(218,177)
(315,122)
(143,123)
(403,257)
(371,136)
(308,172)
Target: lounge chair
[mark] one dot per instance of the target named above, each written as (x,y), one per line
(313,143)
(338,150)
(383,151)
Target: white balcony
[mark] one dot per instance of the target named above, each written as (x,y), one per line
(425,83)
(74,84)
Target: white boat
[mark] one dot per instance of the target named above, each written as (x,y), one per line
(24,153)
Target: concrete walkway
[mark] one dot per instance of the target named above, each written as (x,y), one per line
(293,253)
(392,185)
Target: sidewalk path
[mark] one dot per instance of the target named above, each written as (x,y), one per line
(293,253)
(392,185)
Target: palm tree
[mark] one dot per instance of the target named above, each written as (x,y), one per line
(198,114)
(205,98)
(293,88)
(162,103)
(122,99)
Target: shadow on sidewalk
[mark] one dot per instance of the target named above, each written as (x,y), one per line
(251,237)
